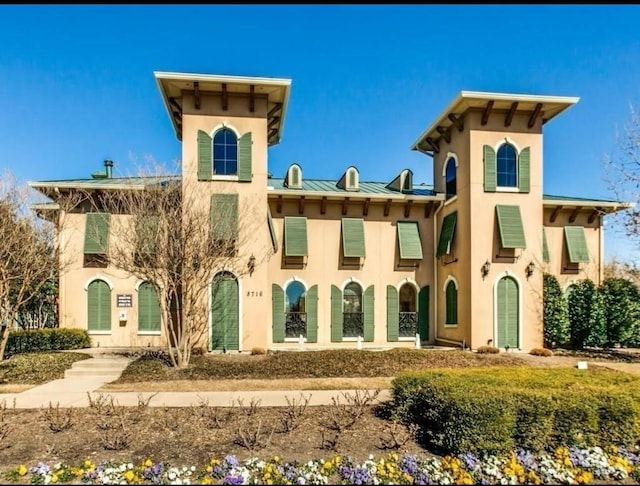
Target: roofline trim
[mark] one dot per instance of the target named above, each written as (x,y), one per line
(353,195)
(570,100)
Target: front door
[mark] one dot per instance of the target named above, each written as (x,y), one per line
(507,313)
(225,335)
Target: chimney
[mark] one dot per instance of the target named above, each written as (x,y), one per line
(108,166)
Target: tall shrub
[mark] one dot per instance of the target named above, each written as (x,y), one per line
(621,298)
(556,319)
(586,315)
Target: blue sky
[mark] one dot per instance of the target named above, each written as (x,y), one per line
(77,85)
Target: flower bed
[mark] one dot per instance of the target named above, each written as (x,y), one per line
(563,466)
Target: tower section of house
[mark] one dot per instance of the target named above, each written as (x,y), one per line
(487,158)
(226,125)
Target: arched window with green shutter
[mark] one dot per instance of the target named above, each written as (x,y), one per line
(149,314)
(225,152)
(99,306)
(451,294)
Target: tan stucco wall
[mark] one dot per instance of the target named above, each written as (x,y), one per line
(324,267)
(76,277)
(558,264)
(254,238)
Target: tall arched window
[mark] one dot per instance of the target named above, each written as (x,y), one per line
(450,178)
(408,318)
(99,306)
(352,311)
(296,310)
(452,303)
(148,309)
(225,152)
(507,162)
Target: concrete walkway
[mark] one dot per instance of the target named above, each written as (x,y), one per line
(86,376)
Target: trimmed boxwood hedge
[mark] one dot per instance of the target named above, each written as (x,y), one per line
(494,410)
(46,340)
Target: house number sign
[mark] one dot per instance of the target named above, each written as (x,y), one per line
(254,293)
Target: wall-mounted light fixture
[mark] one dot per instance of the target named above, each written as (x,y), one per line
(530,268)
(485,269)
(252,264)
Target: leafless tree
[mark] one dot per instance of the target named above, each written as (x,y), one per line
(28,254)
(169,234)
(622,176)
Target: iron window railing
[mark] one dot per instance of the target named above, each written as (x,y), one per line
(408,324)
(295,324)
(352,324)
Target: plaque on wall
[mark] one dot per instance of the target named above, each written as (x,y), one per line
(124,300)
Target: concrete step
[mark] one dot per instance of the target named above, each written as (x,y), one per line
(114,364)
(104,367)
(70,373)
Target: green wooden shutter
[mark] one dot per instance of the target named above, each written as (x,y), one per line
(490,173)
(353,237)
(423,313)
(232,324)
(295,236)
(369,314)
(392,314)
(446,234)
(277,309)
(272,230)
(524,170)
(510,224)
(147,234)
(409,240)
(148,308)
(312,314)
(224,217)
(98,306)
(205,159)
(507,313)
(452,304)
(244,158)
(545,247)
(576,244)
(96,235)
(336,314)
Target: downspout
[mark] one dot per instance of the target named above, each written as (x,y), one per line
(601,250)
(435,279)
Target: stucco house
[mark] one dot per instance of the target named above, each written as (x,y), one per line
(380,264)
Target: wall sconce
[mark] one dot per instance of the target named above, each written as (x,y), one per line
(485,269)
(530,268)
(252,264)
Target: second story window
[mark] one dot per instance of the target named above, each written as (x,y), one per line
(507,162)
(450,178)
(225,152)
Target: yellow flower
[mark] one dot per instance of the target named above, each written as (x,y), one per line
(54,478)
(22,470)
(148,463)
(276,458)
(209,469)
(206,480)
(129,476)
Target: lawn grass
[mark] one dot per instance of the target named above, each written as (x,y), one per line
(37,368)
(309,364)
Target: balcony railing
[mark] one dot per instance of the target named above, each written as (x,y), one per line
(295,324)
(408,324)
(352,324)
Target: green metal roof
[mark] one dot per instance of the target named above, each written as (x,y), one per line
(548,197)
(324,185)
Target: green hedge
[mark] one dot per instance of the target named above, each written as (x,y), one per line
(46,340)
(495,410)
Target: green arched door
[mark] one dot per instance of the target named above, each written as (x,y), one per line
(225,329)
(508,313)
